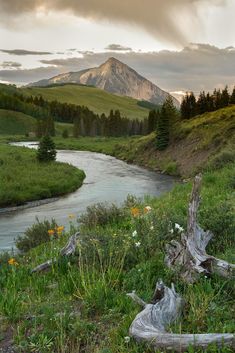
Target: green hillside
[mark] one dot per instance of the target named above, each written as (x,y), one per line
(95,99)
(195,143)
(15,123)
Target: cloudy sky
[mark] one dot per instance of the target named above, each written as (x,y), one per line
(178,44)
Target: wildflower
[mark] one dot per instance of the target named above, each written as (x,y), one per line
(60,230)
(13,262)
(127,339)
(179,228)
(137,244)
(147,209)
(51,232)
(172,231)
(71,216)
(135,211)
(134,234)
(152,228)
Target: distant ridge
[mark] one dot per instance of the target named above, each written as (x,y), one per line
(115,77)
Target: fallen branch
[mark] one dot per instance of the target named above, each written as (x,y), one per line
(189,254)
(151,323)
(67,250)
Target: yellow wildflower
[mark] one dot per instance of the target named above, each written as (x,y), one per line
(135,211)
(51,232)
(60,229)
(71,216)
(13,262)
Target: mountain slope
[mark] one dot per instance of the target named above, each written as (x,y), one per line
(16,123)
(115,77)
(95,99)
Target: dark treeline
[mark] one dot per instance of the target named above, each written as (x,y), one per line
(206,102)
(86,122)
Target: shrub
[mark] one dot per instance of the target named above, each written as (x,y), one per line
(223,158)
(101,214)
(35,235)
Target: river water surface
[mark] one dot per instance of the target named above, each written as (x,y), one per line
(107,180)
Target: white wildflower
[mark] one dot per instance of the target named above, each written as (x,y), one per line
(172,231)
(134,234)
(137,244)
(179,228)
(152,228)
(127,339)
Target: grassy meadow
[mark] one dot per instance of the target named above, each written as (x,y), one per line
(23,178)
(81,305)
(95,99)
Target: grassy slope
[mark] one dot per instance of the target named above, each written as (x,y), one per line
(108,265)
(95,99)
(194,144)
(23,179)
(15,123)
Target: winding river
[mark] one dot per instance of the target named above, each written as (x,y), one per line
(107,180)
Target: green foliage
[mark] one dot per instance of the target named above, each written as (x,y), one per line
(102,214)
(46,150)
(35,235)
(23,179)
(81,304)
(65,134)
(95,99)
(165,122)
(15,123)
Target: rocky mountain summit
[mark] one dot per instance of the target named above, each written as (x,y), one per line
(115,77)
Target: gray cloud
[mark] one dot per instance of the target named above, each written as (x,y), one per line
(10,64)
(162,19)
(118,47)
(22,52)
(196,67)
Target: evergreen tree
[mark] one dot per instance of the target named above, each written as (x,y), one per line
(76,128)
(46,150)
(166,118)
(232,97)
(224,98)
(152,121)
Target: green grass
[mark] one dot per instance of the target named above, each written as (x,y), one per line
(15,123)
(23,179)
(92,285)
(95,99)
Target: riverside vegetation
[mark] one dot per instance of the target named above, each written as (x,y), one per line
(23,178)
(81,304)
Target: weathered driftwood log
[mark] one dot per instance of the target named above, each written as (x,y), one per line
(67,250)
(150,324)
(189,254)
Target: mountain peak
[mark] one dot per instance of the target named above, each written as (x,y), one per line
(115,77)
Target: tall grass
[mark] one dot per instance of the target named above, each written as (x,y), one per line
(81,304)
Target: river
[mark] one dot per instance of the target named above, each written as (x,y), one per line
(107,180)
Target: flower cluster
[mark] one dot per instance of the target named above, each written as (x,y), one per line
(135,211)
(13,262)
(177,228)
(57,231)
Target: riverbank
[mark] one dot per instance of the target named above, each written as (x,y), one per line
(23,179)
(81,304)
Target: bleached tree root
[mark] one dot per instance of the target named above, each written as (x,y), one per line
(151,323)
(67,250)
(188,255)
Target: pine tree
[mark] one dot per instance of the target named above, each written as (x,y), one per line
(225,98)
(46,150)
(76,127)
(232,97)
(166,118)
(152,121)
